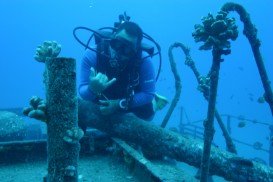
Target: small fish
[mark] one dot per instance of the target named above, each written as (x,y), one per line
(257,145)
(261,100)
(231,97)
(91,5)
(241,68)
(241,124)
(269,138)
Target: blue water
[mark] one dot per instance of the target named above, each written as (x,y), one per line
(26,24)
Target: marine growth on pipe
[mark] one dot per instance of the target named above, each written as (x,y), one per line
(216,32)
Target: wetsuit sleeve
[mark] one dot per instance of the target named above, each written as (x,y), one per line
(147,85)
(89,60)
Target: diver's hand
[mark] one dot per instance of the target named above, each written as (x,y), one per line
(108,107)
(48,50)
(99,82)
(37,109)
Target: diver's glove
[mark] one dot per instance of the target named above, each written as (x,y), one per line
(99,82)
(37,109)
(108,107)
(48,50)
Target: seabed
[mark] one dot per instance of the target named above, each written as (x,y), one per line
(101,159)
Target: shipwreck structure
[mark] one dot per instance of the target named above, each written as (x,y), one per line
(62,110)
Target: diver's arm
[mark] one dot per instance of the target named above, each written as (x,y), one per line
(147,85)
(89,60)
(140,99)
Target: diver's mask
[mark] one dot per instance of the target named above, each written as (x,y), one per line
(122,52)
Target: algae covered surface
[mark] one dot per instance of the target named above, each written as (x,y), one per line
(91,168)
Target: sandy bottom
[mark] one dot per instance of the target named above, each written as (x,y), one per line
(92,168)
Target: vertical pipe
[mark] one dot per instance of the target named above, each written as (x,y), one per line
(62,121)
(209,122)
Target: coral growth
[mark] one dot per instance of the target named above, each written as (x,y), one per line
(46,51)
(37,109)
(73,136)
(216,32)
(204,85)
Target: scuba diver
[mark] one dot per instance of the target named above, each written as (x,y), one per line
(117,74)
(123,82)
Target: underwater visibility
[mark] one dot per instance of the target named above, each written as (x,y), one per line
(136,91)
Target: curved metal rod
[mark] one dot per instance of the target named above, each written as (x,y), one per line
(189,62)
(250,32)
(178,87)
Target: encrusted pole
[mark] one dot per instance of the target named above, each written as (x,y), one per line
(62,120)
(178,88)
(204,88)
(60,112)
(208,123)
(250,32)
(215,32)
